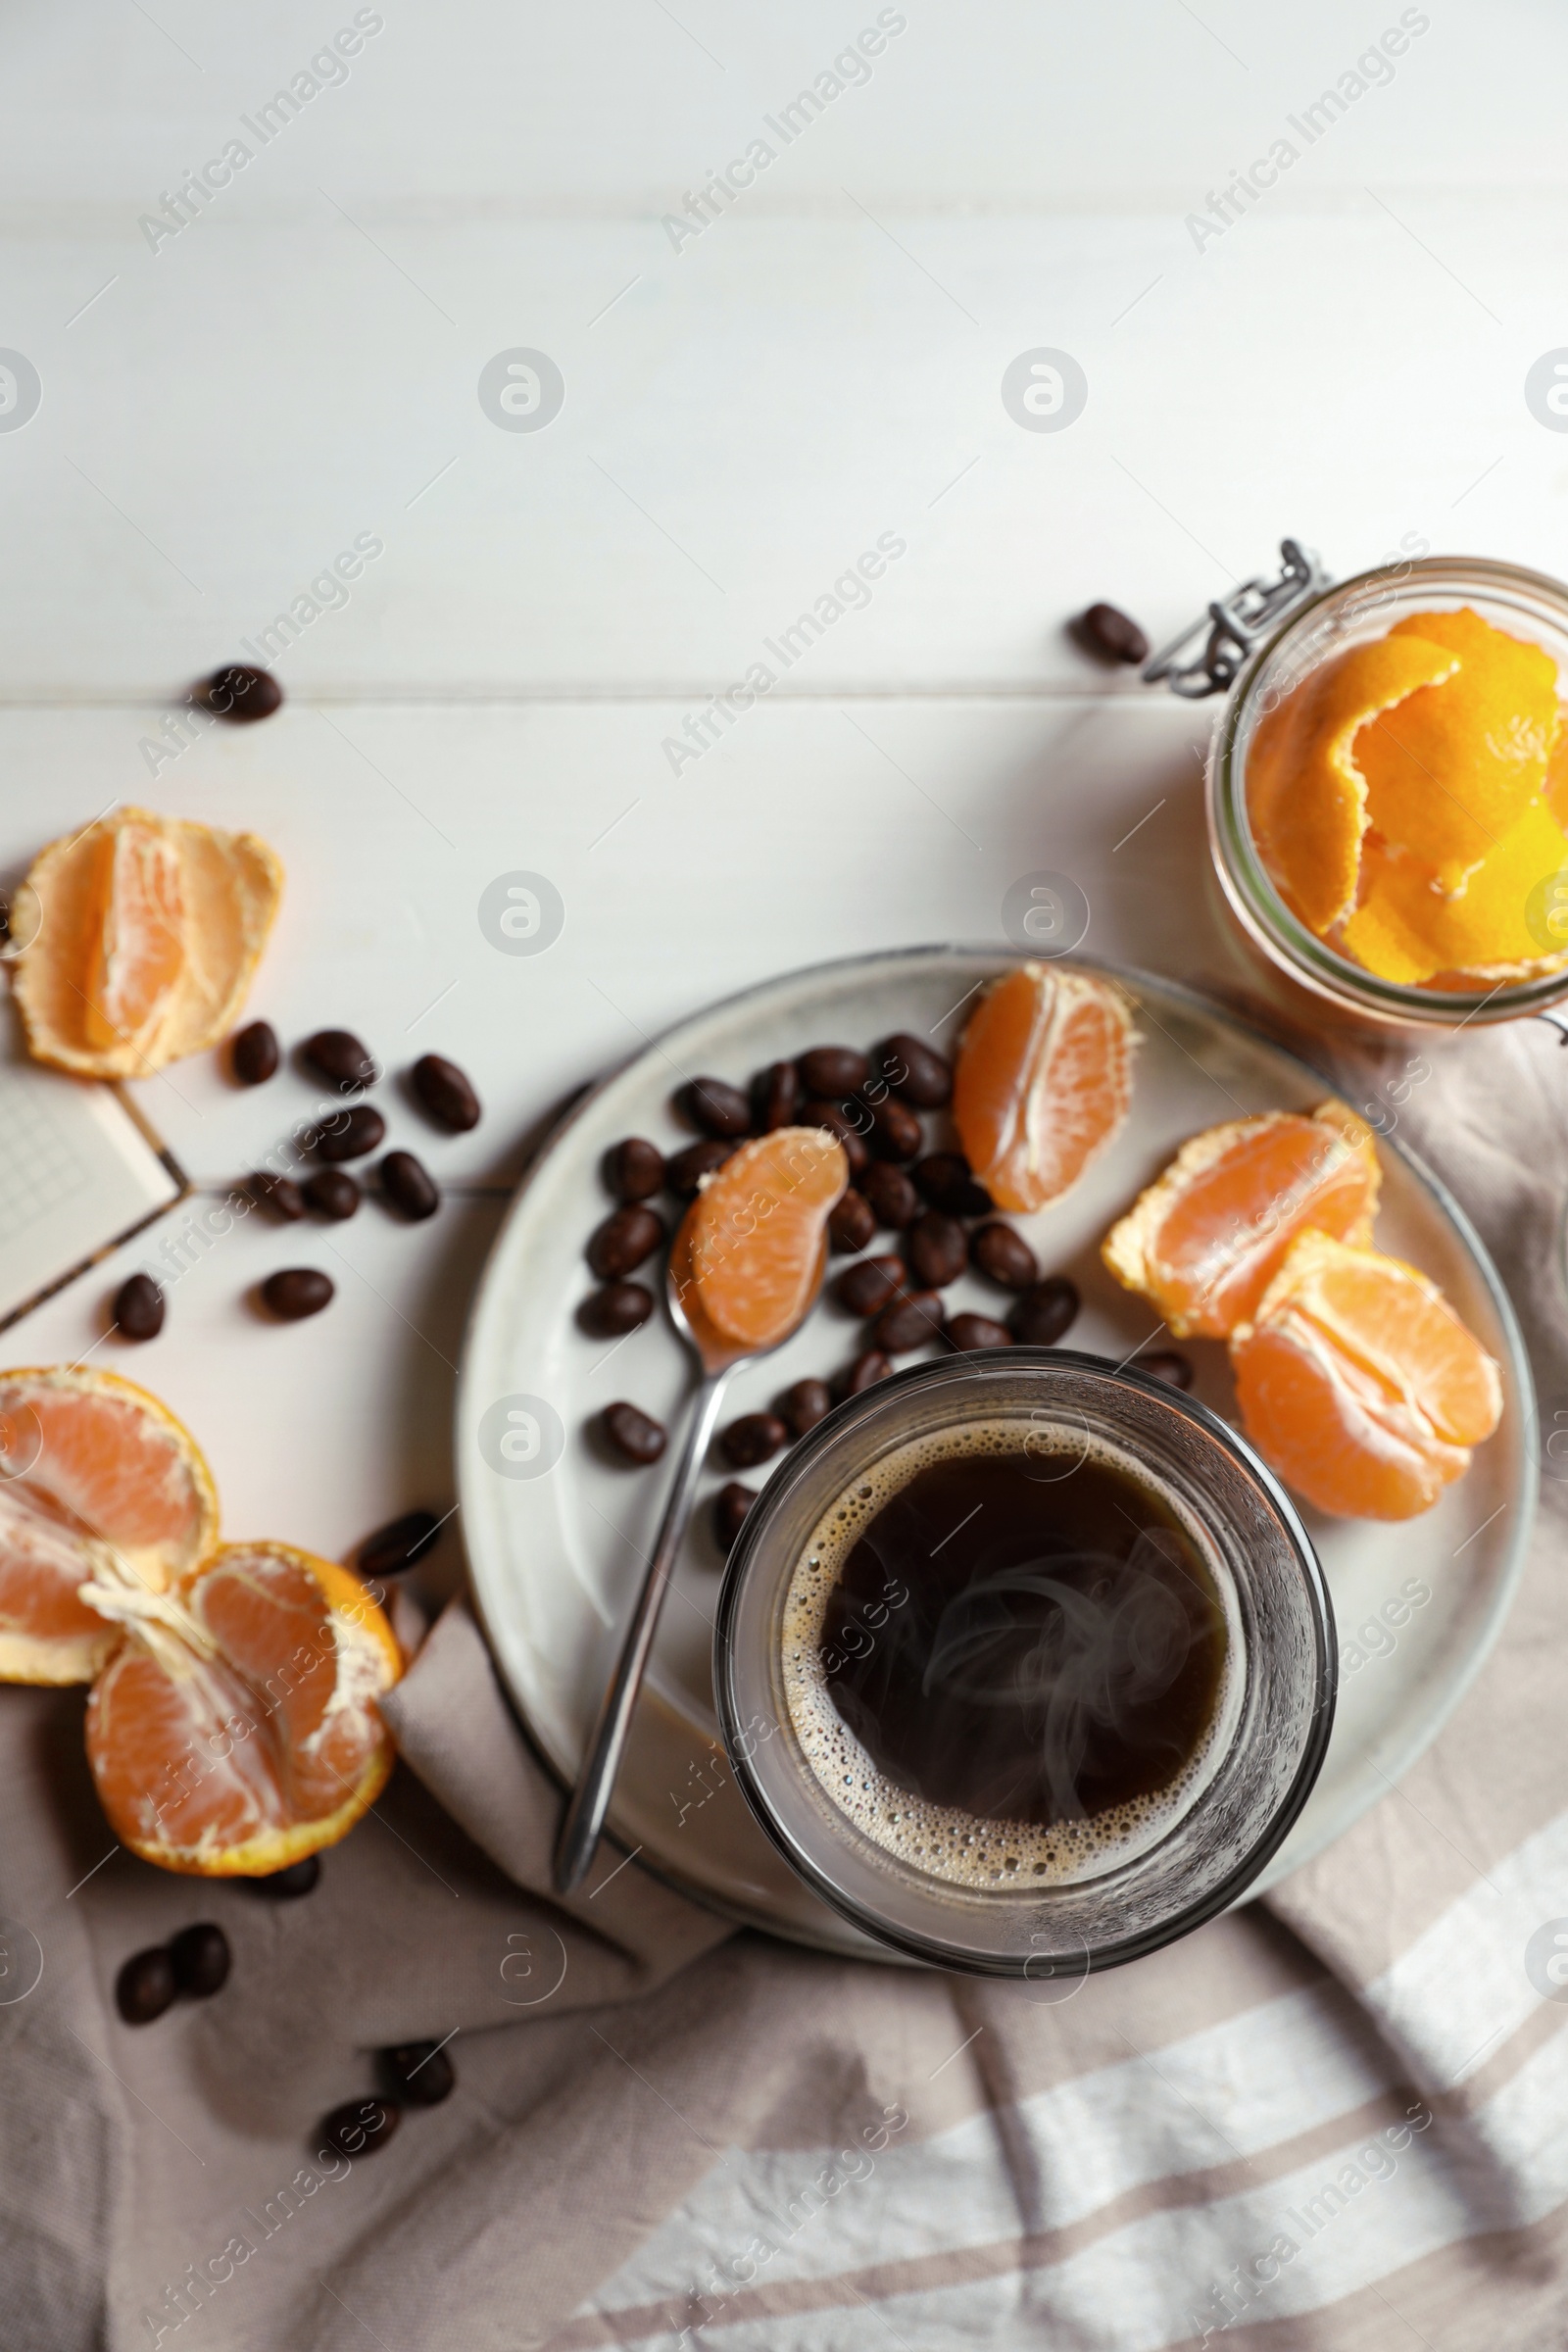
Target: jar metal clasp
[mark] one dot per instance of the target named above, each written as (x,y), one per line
(1237,623)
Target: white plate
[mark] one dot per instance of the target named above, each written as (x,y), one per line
(555,1555)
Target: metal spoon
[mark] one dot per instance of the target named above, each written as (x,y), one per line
(718,1357)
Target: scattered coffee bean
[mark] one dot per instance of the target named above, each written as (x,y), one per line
(635,1436)
(287,1885)
(240,692)
(361,2126)
(297,1292)
(1168,1364)
(624,1240)
(1004,1256)
(446,1092)
(252,1054)
(351,1134)
(684,1171)
(139,1307)
(866,1288)
(847,1125)
(895,1202)
(937,1248)
(634,1170)
(280,1193)
(803,1406)
(422,2073)
(408,1185)
(775,1096)
(619,1307)
(396,1546)
(730,1506)
(337,1055)
(966,1332)
(852,1222)
(914,1071)
(145,1985)
(332,1192)
(1112,634)
(715,1106)
(947,1181)
(752,1440)
(201,1960)
(865,1371)
(908,1323)
(833,1069)
(1044,1312)
(896,1130)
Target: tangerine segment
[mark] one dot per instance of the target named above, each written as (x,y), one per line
(140,947)
(1506,916)
(1305,793)
(1360,1383)
(98,1482)
(756,1233)
(1043,1082)
(237,1729)
(1205,1240)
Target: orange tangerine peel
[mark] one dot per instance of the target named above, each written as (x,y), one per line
(755,1236)
(1502,921)
(1204,1241)
(1043,1081)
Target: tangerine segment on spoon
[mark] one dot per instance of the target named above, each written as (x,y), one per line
(1359,1384)
(237,1727)
(98,1483)
(756,1233)
(1204,1241)
(1043,1082)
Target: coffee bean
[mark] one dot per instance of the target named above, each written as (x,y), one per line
(351,1134)
(866,1288)
(145,1985)
(422,2073)
(635,1436)
(896,1130)
(833,1069)
(297,1292)
(966,1332)
(446,1092)
(240,692)
(849,1125)
(895,1202)
(332,1192)
(252,1054)
(752,1440)
(634,1170)
(1112,634)
(396,1546)
(1004,1256)
(337,1055)
(715,1106)
(937,1248)
(803,1406)
(685,1170)
(1044,1312)
(280,1193)
(775,1096)
(914,1071)
(619,1307)
(1168,1364)
(908,1323)
(947,1181)
(407,1186)
(287,1885)
(359,2126)
(201,1960)
(620,1243)
(852,1223)
(865,1371)
(730,1506)
(139,1307)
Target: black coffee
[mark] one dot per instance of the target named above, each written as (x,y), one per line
(1024,1645)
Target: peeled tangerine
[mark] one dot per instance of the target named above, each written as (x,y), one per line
(753,1242)
(1358,1383)
(1205,1242)
(142,934)
(1043,1082)
(233,1725)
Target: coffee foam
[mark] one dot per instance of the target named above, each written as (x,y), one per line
(965,1848)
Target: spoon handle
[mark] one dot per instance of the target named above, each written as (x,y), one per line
(596,1781)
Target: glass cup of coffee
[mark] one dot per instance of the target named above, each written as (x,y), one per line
(1025,1663)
